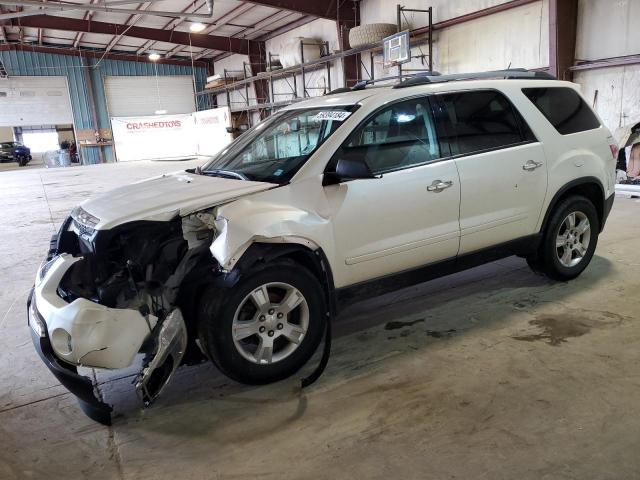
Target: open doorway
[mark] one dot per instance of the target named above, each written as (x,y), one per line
(44,140)
(40,140)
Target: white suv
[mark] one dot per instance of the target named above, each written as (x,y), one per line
(247,259)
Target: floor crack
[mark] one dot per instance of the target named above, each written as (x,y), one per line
(46,199)
(32,402)
(112,446)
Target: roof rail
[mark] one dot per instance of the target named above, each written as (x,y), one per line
(362,84)
(339,90)
(513,73)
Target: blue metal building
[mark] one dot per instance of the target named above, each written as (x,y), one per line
(75,68)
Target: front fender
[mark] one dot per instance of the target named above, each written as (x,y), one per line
(248,221)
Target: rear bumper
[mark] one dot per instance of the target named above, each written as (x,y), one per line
(608,205)
(67,375)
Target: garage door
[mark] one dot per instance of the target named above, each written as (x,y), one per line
(26,101)
(136,96)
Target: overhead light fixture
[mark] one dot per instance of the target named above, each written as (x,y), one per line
(197,27)
(161,112)
(153,56)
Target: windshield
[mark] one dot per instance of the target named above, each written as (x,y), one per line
(274,150)
(10,144)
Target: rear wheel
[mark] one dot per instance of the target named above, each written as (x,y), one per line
(569,240)
(265,328)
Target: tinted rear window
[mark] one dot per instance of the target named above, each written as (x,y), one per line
(483,120)
(564,109)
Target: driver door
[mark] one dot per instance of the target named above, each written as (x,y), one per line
(409,216)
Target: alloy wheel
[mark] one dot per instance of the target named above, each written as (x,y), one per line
(270,323)
(572,241)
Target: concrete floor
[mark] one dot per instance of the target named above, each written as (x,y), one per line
(492,373)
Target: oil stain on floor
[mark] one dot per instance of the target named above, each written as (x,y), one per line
(396,324)
(556,330)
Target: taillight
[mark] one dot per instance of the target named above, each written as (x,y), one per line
(614,151)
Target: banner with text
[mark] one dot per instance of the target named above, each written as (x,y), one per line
(154,137)
(211,130)
(171,136)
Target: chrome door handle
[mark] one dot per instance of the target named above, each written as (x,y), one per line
(438,185)
(531,165)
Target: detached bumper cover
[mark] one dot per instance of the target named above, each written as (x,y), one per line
(67,375)
(84,332)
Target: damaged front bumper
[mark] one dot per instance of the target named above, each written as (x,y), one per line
(85,333)
(67,374)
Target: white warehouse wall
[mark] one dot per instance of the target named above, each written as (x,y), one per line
(518,37)
(372,11)
(607,28)
(6,134)
(320,29)
(237,97)
(618,99)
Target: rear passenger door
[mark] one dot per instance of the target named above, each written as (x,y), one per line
(502,167)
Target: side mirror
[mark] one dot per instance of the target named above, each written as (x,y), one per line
(348,169)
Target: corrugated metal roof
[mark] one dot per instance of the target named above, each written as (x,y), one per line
(231,18)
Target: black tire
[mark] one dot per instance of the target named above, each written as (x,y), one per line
(216,314)
(546,261)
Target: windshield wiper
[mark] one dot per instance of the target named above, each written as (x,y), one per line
(221,173)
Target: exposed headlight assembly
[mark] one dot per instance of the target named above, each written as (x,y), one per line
(83,217)
(35,322)
(44,268)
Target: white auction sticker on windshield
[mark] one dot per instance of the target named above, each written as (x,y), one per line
(339,116)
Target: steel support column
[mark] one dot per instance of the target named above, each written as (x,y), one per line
(563,24)
(348,16)
(92,103)
(258,63)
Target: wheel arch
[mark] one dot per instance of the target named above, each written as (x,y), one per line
(589,187)
(260,254)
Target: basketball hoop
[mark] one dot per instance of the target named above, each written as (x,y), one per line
(396,49)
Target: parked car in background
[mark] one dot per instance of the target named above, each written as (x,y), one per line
(15,152)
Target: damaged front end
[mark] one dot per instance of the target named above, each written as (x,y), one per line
(105,296)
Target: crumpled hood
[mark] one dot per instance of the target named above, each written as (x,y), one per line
(161,198)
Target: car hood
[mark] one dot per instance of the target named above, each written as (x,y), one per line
(161,198)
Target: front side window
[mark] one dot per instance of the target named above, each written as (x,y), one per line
(564,109)
(399,136)
(273,151)
(482,120)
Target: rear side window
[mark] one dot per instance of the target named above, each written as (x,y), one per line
(482,120)
(564,109)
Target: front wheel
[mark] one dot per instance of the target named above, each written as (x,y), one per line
(265,328)
(569,240)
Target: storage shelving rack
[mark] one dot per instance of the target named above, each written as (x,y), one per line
(241,83)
